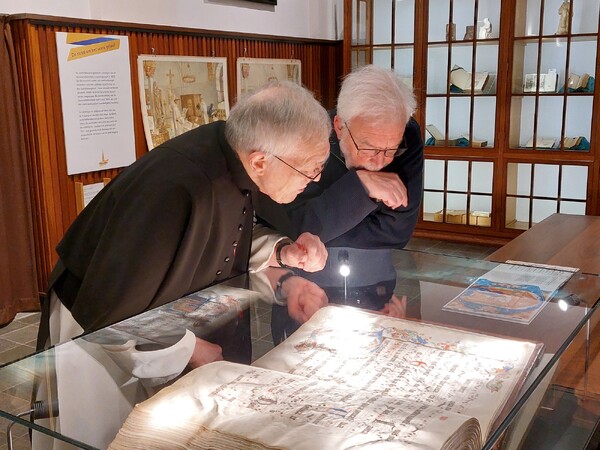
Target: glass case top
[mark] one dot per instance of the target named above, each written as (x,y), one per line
(409,327)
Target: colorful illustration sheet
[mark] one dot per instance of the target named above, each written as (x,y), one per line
(515,293)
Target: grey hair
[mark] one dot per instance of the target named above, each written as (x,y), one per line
(280,118)
(377,94)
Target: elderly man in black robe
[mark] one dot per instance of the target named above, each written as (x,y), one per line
(180,218)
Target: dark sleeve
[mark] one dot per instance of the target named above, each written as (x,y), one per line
(134,253)
(336,210)
(344,215)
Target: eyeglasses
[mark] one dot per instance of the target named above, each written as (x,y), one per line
(371,152)
(310,177)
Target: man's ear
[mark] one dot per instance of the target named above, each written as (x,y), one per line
(258,162)
(338,124)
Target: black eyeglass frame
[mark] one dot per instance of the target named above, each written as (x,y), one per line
(376,151)
(311,178)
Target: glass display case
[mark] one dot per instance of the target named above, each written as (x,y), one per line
(404,326)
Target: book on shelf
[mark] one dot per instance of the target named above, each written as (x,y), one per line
(578,82)
(476,142)
(462,79)
(541,143)
(348,378)
(547,81)
(570,142)
(438,136)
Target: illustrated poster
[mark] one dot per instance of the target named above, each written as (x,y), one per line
(253,73)
(180,93)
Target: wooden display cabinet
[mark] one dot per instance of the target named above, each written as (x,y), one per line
(507,102)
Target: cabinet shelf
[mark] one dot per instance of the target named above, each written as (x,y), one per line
(523,47)
(464,42)
(582,37)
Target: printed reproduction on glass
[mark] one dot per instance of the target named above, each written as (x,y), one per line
(252,73)
(515,293)
(179,93)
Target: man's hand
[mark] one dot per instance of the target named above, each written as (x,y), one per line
(304,298)
(385,187)
(204,353)
(307,253)
(396,307)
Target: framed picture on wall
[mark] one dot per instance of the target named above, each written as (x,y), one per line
(255,72)
(179,93)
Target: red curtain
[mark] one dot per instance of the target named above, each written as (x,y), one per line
(18,280)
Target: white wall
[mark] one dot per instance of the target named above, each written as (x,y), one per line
(295,18)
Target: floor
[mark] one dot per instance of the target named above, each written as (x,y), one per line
(17,339)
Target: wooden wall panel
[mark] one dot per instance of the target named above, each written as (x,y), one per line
(52,190)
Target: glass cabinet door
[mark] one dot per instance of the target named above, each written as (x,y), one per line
(554,61)
(383,33)
(554,58)
(507,103)
(462,67)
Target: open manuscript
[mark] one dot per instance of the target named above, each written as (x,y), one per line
(347,379)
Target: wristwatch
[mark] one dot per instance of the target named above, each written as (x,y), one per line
(280,298)
(278,247)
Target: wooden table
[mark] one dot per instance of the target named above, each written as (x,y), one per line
(561,239)
(573,241)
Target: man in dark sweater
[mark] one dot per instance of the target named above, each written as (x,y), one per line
(369,195)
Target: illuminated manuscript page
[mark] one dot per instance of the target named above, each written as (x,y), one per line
(454,370)
(227,405)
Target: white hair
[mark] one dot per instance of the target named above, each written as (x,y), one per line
(280,118)
(376,94)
